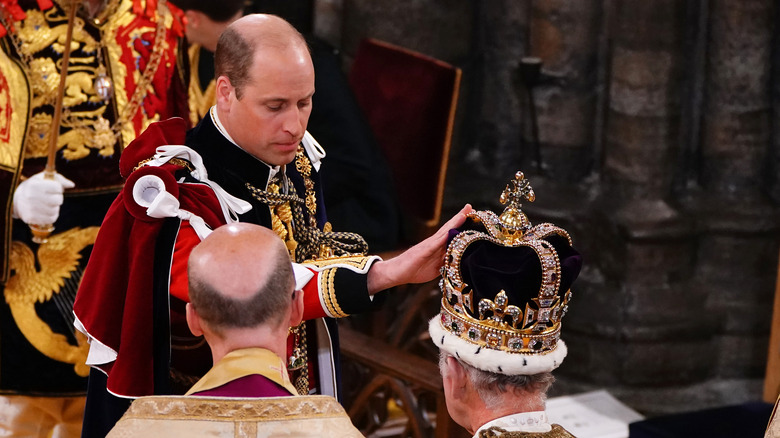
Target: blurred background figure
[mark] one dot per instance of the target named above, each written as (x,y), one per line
(204,21)
(122,74)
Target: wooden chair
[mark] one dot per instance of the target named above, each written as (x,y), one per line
(401,376)
(409,100)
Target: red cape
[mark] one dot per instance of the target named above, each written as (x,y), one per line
(114,301)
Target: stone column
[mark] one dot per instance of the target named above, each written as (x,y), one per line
(738,225)
(564,34)
(640,326)
(490,149)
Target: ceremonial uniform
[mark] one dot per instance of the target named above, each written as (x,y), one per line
(152,360)
(339,288)
(123,74)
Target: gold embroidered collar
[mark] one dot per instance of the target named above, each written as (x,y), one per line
(242,363)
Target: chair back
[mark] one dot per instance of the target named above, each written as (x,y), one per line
(409,100)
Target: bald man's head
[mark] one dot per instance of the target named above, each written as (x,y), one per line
(240,43)
(240,276)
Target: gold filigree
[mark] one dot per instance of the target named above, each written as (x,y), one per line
(58,259)
(40,31)
(275,408)
(301,416)
(128,104)
(358,263)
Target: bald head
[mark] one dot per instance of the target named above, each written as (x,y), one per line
(240,276)
(267,29)
(247,39)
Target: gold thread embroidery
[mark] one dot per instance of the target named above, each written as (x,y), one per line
(199,100)
(14,110)
(175,161)
(85,129)
(303,165)
(357,262)
(58,259)
(327,285)
(269,409)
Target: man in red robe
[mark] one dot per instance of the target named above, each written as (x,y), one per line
(124,73)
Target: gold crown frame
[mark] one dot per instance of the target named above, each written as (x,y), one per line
(536,328)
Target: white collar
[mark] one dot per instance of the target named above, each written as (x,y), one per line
(523,422)
(273,170)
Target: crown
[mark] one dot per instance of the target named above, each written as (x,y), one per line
(504,290)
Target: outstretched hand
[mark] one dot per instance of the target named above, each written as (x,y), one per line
(417,264)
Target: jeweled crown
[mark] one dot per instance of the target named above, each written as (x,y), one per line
(503,284)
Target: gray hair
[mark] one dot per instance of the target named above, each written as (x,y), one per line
(266,306)
(493,388)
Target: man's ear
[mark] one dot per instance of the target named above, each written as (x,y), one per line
(296,309)
(224,91)
(457,377)
(193,321)
(193,18)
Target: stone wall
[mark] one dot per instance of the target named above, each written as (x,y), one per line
(653,138)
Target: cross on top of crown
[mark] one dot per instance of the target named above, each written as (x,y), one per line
(516,190)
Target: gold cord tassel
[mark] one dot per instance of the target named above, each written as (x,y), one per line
(282,222)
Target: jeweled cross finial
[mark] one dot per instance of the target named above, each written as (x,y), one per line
(516,190)
(513,219)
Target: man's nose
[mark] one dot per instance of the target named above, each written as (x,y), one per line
(295,122)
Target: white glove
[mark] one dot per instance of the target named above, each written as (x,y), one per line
(37,199)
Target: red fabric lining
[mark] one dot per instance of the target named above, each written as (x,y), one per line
(114,302)
(312,306)
(185,242)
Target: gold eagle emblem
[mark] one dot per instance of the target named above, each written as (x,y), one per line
(58,260)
